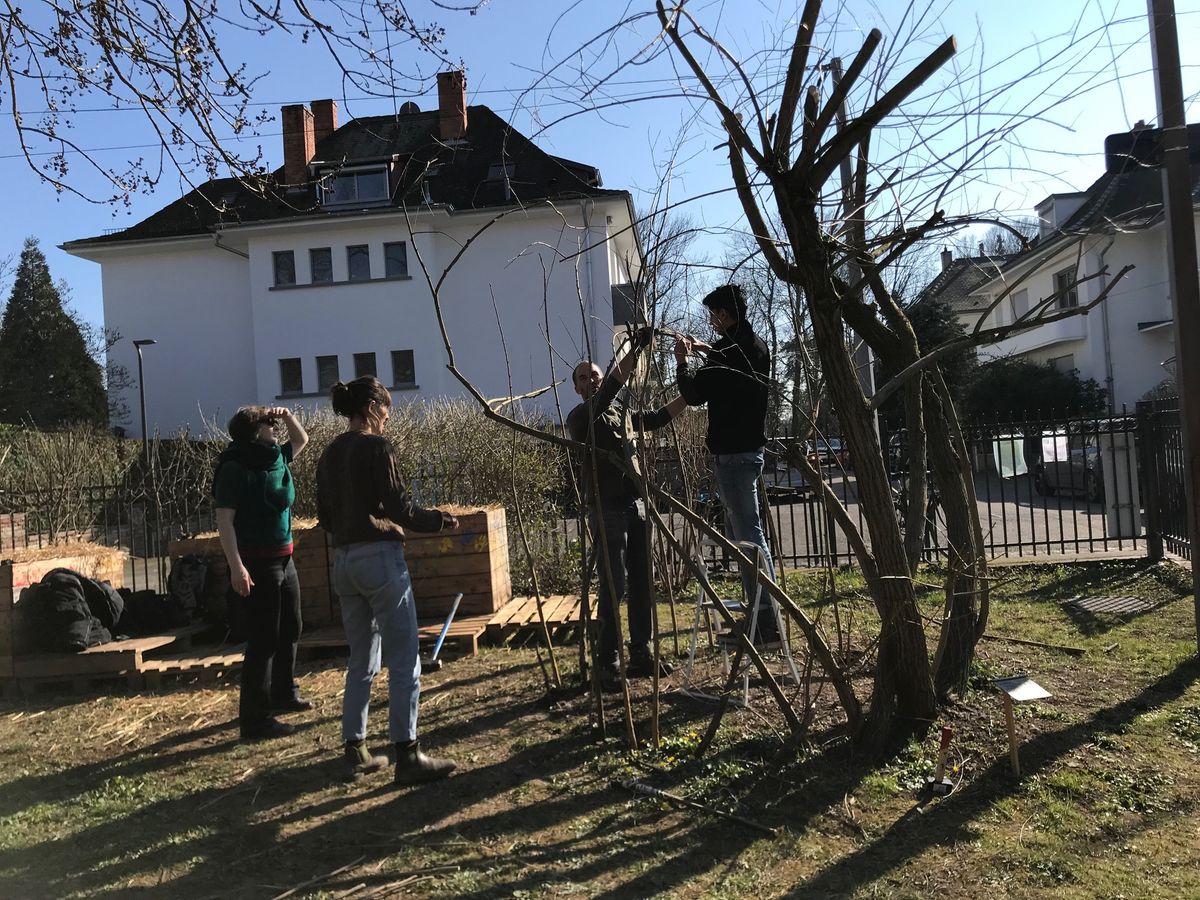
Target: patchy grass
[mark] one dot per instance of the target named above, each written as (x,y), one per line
(117,794)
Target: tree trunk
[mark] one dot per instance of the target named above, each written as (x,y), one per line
(904,698)
(966,578)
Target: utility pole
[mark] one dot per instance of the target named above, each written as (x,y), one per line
(1181,257)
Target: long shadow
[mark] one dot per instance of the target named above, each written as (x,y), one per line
(175,749)
(949,822)
(1091,624)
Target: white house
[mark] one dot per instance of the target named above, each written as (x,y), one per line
(1127,343)
(269,294)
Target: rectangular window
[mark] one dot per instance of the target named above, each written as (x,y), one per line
(1064,287)
(321,260)
(395,259)
(291,376)
(404,372)
(1062,363)
(369,186)
(358,262)
(284,262)
(1020,303)
(327,372)
(364,364)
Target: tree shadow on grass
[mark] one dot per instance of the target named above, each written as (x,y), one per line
(950,823)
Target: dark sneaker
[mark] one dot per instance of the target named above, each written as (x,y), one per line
(291,704)
(266,729)
(641,665)
(414,767)
(360,762)
(610,679)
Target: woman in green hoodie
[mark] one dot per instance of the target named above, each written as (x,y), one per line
(254,492)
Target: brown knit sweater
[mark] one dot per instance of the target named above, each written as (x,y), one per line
(361,495)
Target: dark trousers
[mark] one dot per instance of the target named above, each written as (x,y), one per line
(624,529)
(272,614)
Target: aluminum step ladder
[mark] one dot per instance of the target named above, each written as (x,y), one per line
(705,617)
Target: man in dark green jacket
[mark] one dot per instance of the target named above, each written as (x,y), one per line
(616,518)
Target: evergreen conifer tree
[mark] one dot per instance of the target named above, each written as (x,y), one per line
(47,377)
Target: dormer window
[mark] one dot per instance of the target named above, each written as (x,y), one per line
(363,187)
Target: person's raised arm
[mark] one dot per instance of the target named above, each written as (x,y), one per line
(622,369)
(691,385)
(297,436)
(649,421)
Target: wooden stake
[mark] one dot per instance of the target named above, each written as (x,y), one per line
(1012,735)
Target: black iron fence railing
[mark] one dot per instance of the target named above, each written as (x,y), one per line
(1059,486)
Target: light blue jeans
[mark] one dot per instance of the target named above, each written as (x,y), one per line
(375,591)
(736,475)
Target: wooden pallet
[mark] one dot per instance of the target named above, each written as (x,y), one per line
(209,667)
(520,616)
(462,639)
(128,660)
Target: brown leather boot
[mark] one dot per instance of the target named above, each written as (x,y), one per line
(360,762)
(414,767)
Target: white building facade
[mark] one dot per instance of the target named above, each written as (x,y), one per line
(1127,342)
(275,308)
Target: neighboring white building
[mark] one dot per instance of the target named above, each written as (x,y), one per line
(269,297)
(1127,343)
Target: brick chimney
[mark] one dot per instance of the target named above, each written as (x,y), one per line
(299,143)
(324,119)
(452,105)
(947,258)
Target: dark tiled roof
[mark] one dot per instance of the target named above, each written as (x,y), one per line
(955,283)
(1129,197)
(461,176)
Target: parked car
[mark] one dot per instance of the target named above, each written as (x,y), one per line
(1070,462)
(828,451)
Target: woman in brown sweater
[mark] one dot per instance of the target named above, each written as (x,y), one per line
(365,506)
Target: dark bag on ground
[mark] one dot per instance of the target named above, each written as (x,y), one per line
(187,585)
(68,612)
(148,612)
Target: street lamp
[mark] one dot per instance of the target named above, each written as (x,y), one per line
(138,345)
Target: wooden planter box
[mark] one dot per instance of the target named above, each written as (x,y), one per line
(311,553)
(473,559)
(17,574)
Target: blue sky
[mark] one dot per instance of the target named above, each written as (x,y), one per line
(1048,49)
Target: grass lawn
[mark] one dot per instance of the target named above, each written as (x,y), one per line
(116,795)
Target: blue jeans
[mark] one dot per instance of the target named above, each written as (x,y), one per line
(375,591)
(736,475)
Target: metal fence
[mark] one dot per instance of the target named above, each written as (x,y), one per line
(1163,465)
(130,516)
(1045,487)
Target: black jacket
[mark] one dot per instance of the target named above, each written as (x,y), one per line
(614,430)
(734,383)
(72,613)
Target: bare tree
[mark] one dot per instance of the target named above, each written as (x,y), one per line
(170,62)
(835,243)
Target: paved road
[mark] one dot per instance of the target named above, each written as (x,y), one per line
(1016,521)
